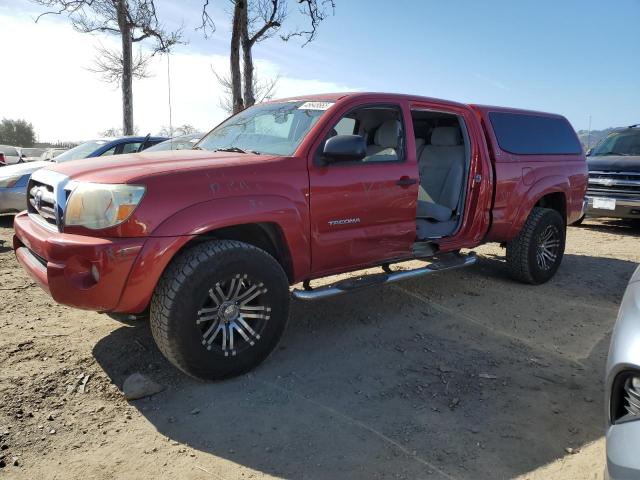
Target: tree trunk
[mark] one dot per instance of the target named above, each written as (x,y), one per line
(239,13)
(127,74)
(247,62)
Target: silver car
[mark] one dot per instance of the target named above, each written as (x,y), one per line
(623,388)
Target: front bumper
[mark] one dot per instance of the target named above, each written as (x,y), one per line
(628,208)
(83,272)
(13,199)
(623,461)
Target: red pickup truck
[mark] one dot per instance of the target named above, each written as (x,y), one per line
(209,240)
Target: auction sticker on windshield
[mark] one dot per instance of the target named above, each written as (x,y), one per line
(315,105)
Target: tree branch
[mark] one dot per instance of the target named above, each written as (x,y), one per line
(316,10)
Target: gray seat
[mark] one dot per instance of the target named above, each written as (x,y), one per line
(385,142)
(441,165)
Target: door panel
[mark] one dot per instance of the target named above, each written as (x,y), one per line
(363,213)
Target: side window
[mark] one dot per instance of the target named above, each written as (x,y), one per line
(346,126)
(9,151)
(131,147)
(111,151)
(524,134)
(380,126)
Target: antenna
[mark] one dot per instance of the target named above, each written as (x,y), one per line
(589,135)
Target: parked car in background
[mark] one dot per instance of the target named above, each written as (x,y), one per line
(11,154)
(183,142)
(209,240)
(51,153)
(32,154)
(614,175)
(622,387)
(14,178)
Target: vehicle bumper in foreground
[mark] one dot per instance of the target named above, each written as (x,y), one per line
(83,272)
(623,461)
(623,433)
(13,199)
(625,207)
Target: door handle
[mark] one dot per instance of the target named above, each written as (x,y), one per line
(406,181)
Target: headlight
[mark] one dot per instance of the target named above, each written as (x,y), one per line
(96,206)
(9,182)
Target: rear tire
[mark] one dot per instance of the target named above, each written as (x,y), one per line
(536,253)
(220,309)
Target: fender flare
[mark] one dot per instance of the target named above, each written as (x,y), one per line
(541,188)
(185,225)
(291,219)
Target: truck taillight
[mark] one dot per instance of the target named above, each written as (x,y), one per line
(2,160)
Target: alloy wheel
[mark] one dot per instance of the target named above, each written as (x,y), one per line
(233,315)
(548,247)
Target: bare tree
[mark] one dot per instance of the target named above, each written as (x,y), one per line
(109,65)
(254,21)
(133,21)
(263,90)
(117,132)
(186,129)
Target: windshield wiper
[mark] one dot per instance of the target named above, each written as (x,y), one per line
(230,149)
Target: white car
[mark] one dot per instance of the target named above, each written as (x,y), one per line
(11,154)
(51,153)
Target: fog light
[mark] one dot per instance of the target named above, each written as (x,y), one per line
(95,273)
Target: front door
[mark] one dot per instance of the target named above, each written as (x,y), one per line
(364,212)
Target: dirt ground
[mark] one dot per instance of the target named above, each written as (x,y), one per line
(462,375)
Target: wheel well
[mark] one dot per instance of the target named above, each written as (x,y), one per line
(266,236)
(555,201)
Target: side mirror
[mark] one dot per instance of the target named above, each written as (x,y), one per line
(344,148)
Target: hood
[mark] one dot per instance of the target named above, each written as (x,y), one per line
(614,163)
(130,167)
(23,168)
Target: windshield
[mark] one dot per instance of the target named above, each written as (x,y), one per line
(81,151)
(619,143)
(274,128)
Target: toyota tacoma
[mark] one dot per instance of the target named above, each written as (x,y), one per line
(208,241)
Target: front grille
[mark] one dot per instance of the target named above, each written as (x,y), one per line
(616,183)
(632,397)
(42,201)
(47,194)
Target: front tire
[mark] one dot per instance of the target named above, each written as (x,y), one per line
(536,253)
(220,309)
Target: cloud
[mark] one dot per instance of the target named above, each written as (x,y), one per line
(45,81)
(490,81)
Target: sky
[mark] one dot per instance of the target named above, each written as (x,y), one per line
(578,58)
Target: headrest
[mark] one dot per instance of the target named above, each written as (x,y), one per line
(387,134)
(445,136)
(419,142)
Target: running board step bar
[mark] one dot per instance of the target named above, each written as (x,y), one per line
(446,262)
